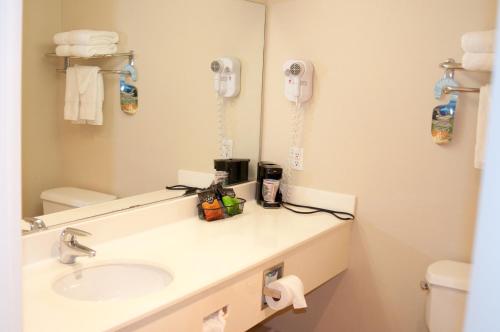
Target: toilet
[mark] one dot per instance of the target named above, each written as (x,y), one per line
(448,284)
(65,198)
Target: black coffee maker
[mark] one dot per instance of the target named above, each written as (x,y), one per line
(268,194)
(237,169)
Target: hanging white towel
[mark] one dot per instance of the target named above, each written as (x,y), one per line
(87,88)
(85,50)
(479,42)
(72,96)
(84,95)
(482,126)
(86,37)
(478,61)
(98,120)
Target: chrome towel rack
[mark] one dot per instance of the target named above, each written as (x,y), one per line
(67,61)
(450,89)
(450,65)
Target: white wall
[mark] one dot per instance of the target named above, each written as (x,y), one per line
(10,165)
(482,313)
(367,132)
(175,127)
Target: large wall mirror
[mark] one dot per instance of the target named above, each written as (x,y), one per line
(176,126)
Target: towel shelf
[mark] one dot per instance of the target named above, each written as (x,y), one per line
(67,61)
(100,56)
(102,71)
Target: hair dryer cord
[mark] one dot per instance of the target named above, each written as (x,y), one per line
(337,214)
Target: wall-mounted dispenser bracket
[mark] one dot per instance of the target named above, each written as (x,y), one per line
(450,65)
(269,275)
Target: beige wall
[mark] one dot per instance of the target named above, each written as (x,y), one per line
(367,132)
(41,157)
(175,128)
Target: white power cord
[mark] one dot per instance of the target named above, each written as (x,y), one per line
(295,142)
(221,125)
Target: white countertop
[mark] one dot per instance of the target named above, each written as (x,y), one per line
(199,254)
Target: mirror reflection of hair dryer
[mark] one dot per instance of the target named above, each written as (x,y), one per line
(217,68)
(226,76)
(227,73)
(298,80)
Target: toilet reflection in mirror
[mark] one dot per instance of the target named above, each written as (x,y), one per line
(176,130)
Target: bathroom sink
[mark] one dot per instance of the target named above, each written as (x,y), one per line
(112,281)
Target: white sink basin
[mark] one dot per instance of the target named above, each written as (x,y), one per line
(113,281)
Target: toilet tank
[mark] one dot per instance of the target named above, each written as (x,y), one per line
(448,283)
(65,198)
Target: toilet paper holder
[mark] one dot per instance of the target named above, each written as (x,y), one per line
(269,275)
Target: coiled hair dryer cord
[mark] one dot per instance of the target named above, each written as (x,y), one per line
(337,214)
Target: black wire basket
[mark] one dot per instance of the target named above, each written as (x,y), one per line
(222,212)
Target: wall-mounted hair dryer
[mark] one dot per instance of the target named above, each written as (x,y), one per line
(298,80)
(227,73)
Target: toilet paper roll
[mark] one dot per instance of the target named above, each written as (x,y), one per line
(292,292)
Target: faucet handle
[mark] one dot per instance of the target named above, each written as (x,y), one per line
(76,231)
(69,248)
(69,233)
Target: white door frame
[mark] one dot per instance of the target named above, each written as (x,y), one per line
(484,298)
(10,165)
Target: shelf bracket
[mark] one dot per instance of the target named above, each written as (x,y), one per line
(131,58)
(67,63)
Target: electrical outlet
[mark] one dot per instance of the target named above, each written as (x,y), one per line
(227,148)
(297,158)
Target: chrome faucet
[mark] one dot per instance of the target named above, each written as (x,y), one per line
(36,225)
(70,249)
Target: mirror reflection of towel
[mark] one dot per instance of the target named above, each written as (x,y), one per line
(84,95)
(85,51)
(86,37)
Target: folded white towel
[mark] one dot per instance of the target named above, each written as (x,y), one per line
(85,50)
(478,61)
(84,95)
(479,42)
(482,126)
(63,50)
(86,37)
